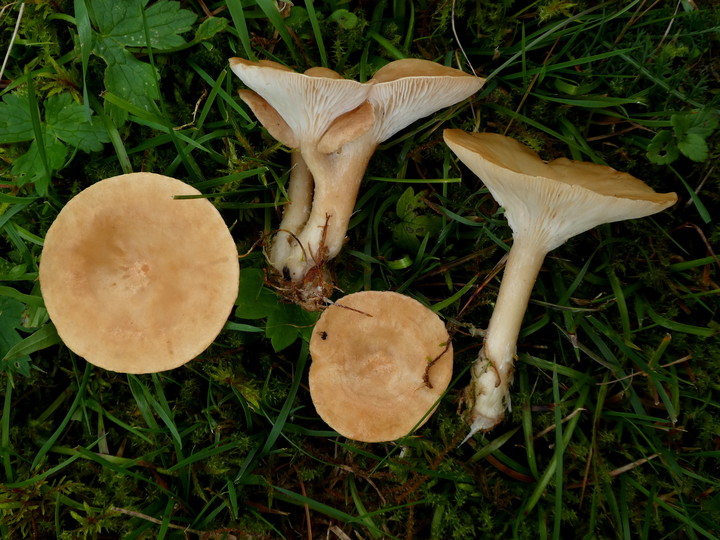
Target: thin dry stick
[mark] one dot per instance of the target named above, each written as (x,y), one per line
(307,507)
(151,519)
(457,39)
(643,373)
(462,50)
(703,238)
(552,427)
(530,86)
(631,466)
(6,7)
(195,111)
(585,482)
(339,532)
(12,39)
(635,18)
(620,470)
(496,269)
(667,30)
(697,190)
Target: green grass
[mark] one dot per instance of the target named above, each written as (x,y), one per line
(615,425)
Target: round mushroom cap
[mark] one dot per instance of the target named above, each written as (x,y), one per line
(556,200)
(380,362)
(135,280)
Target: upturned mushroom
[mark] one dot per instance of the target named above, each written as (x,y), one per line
(545,203)
(134,280)
(335,125)
(380,363)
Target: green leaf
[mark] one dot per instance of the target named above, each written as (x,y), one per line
(15,121)
(122,22)
(120,25)
(44,337)
(127,76)
(408,204)
(705,122)
(413,225)
(347,20)
(702,123)
(662,149)
(287,323)
(11,318)
(254,300)
(298,19)
(28,168)
(694,147)
(209,27)
(109,15)
(85,41)
(67,120)
(166,20)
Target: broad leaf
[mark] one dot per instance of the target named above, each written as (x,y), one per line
(122,22)
(702,123)
(120,25)
(66,119)
(214,25)
(29,168)
(694,147)
(287,323)
(254,300)
(15,123)
(128,78)
(10,319)
(663,149)
(414,224)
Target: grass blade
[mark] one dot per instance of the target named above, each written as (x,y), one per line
(50,442)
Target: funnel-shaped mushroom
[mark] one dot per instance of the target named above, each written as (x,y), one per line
(545,205)
(380,362)
(135,280)
(336,124)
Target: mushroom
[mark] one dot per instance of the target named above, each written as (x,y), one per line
(134,280)
(304,111)
(545,205)
(380,363)
(335,124)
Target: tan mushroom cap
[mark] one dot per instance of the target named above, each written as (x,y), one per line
(406,90)
(562,197)
(307,102)
(367,378)
(135,280)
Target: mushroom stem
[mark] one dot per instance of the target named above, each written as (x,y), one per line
(333,202)
(546,203)
(296,213)
(493,369)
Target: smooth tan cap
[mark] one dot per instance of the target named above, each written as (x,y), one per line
(369,374)
(135,280)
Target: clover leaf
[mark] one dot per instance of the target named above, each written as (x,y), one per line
(689,134)
(414,223)
(663,149)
